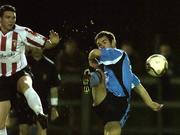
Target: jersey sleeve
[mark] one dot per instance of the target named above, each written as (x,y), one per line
(136,81)
(134,78)
(94,79)
(34,39)
(110,56)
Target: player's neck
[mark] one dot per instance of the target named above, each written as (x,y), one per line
(4,30)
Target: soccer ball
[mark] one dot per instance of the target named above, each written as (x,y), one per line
(156,65)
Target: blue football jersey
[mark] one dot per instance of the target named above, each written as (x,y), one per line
(117,68)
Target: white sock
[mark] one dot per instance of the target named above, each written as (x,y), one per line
(33,100)
(3,131)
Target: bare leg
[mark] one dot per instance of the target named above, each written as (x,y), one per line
(4,111)
(24,86)
(23,129)
(41,131)
(112,128)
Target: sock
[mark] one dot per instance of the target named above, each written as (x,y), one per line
(3,131)
(33,100)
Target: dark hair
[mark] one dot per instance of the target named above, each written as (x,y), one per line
(6,8)
(108,34)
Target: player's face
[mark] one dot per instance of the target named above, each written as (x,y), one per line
(8,21)
(103,42)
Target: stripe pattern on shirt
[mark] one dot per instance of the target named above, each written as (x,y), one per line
(12,49)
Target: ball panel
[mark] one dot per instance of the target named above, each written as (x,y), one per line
(156,65)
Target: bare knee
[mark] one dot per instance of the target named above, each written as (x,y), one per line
(41,131)
(5,107)
(24,129)
(24,83)
(2,125)
(112,128)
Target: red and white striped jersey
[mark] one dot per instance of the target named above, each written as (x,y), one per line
(12,48)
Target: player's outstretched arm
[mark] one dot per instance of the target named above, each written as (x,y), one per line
(53,40)
(140,90)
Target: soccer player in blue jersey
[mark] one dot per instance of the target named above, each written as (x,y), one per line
(111,89)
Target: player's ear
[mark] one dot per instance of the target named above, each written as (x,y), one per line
(113,43)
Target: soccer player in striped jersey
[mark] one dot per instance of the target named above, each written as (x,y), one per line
(46,83)
(14,72)
(112,91)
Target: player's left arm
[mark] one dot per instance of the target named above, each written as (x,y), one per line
(55,83)
(54,102)
(142,92)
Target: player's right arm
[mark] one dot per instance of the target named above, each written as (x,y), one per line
(53,40)
(35,39)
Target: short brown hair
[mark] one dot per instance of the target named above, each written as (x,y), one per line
(4,8)
(108,34)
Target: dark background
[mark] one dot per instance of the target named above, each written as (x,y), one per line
(146,23)
(138,21)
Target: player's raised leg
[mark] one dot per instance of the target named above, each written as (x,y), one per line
(4,110)
(25,86)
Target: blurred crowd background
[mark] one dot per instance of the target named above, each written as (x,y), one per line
(141,27)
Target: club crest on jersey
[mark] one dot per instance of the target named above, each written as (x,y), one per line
(14,44)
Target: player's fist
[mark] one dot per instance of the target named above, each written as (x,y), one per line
(93,63)
(156,106)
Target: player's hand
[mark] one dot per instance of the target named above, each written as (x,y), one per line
(156,106)
(54,37)
(54,113)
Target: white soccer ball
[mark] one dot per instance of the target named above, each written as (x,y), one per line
(156,65)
